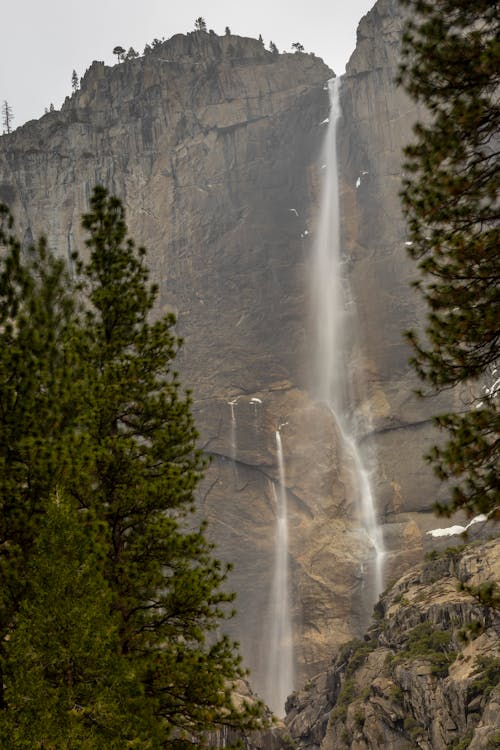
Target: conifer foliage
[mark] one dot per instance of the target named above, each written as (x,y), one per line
(66,684)
(37,373)
(451,64)
(125,648)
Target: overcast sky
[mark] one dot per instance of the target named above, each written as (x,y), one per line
(42,41)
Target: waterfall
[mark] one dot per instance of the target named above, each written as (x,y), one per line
(280,654)
(232,437)
(330,299)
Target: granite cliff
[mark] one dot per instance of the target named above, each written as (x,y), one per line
(427,674)
(214,145)
(377,124)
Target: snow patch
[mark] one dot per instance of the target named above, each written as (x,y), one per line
(452,530)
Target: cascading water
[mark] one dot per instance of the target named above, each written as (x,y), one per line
(329,299)
(233,440)
(280,654)
(232,437)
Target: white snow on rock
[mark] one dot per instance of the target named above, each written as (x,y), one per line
(452,530)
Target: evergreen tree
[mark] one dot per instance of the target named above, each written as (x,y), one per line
(131,54)
(74,81)
(7,117)
(451,63)
(111,601)
(119,52)
(67,686)
(165,583)
(200,24)
(37,398)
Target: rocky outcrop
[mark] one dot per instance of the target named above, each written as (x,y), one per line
(427,674)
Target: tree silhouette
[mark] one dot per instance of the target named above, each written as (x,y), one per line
(7,117)
(119,52)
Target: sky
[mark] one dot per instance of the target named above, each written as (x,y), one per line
(43,41)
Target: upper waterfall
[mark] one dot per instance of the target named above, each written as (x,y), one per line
(328,310)
(332,379)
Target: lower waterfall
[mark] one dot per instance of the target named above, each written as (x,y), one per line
(280,654)
(331,316)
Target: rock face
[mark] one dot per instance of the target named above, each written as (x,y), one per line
(427,674)
(377,124)
(214,145)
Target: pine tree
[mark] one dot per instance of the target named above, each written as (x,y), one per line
(131,54)
(7,117)
(37,387)
(74,81)
(119,52)
(67,686)
(200,24)
(451,63)
(91,413)
(166,585)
